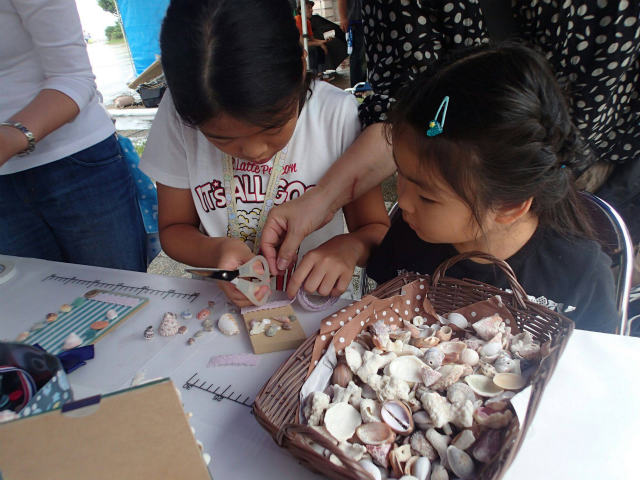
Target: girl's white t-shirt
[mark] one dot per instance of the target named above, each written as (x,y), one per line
(180,156)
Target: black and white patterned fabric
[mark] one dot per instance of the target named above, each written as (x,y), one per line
(592,45)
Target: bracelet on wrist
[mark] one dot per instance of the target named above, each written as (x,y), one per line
(31,139)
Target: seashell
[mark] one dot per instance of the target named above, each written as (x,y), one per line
(429,376)
(464,439)
(199,333)
(459,393)
(112,314)
(474,343)
(293,318)
(490,349)
(444,334)
(369,410)
(487,446)
(353,356)
(422,420)
(407,368)
(398,457)
(483,385)
(72,341)
(434,357)
(451,373)
(22,337)
(191,341)
(421,468)
(259,326)
(439,442)
(452,351)
(148,332)
(489,327)
(182,330)
(422,447)
(487,417)
(509,381)
(375,433)
(426,342)
(460,462)
(272,330)
(486,369)
(469,357)
(207,324)
(418,321)
(99,325)
(380,454)
(341,420)
(228,325)
(458,320)
(186,315)
(65,308)
(38,326)
(342,375)
(371,469)
(438,472)
(504,363)
(51,317)
(169,325)
(203,314)
(398,416)
(409,465)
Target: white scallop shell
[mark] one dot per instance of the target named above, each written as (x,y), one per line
(458,320)
(406,368)
(341,420)
(483,386)
(228,325)
(509,381)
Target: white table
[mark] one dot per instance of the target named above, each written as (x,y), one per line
(587,425)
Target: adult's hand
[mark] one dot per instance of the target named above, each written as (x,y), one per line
(344,24)
(288,225)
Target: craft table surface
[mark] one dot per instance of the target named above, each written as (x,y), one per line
(587,425)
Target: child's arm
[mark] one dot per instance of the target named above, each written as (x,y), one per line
(182,240)
(328,269)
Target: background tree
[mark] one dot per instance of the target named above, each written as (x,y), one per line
(108,6)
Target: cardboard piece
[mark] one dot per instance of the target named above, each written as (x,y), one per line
(131,434)
(283,340)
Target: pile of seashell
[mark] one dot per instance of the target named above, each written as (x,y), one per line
(418,401)
(271,326)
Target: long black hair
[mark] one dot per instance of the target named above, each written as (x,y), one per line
(507,137)
(241,57)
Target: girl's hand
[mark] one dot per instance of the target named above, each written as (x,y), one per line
(233,253)
(328,269)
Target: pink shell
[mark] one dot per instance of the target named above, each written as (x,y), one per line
(488,327)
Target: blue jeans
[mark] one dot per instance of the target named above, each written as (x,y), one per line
(79,209)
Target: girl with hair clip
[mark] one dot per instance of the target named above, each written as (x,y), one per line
(485,150)
(242,129)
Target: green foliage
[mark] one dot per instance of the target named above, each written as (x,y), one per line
(108,6)
(114,32)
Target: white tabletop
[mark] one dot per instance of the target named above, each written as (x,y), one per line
(587,424)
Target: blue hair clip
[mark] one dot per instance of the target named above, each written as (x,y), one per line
(435,127)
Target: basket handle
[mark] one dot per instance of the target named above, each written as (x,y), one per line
(519,294)
(291,429)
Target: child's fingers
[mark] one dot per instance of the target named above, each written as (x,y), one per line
(314,280)
(341,285)
(298,277)
(328,283)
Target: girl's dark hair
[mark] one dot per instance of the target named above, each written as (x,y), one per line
(241,57)
(507,137)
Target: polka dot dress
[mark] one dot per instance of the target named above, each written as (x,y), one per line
(405,37)
(594,48)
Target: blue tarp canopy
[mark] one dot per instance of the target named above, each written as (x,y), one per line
(141,20)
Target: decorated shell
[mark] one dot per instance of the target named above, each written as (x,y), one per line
(375,433)
(509,381)
(407,368)
(169,325)
(483,386)
(398,416)
(228,325)
(341,420)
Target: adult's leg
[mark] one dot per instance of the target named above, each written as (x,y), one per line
(357,69)
(89,200)
(23,231)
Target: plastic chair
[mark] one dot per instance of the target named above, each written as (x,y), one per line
(616,242)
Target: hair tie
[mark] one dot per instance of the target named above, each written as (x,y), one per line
(435,127)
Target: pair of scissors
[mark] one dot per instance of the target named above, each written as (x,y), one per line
(248,278)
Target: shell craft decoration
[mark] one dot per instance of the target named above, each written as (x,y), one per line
(169,325)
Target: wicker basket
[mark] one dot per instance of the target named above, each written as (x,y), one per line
(277,405)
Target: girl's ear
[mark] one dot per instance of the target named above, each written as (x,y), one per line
(508,215)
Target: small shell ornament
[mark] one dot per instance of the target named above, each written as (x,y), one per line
(169,325)
(228,325)
(72,341)
(148,332)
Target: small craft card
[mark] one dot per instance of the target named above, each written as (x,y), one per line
(86,316)
(283,339)
(328,35)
